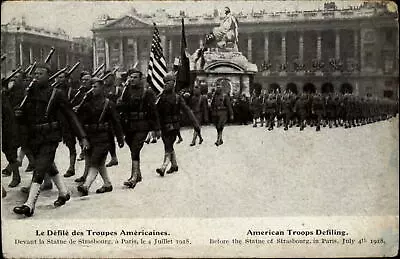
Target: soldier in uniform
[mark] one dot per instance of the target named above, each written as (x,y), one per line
(199,106)
(221,108)
(256,108)
(330,110)
(169,108)
(286,109)
(318,109)
(86,85)
(301,108)
(68,137)
(98,114)
(110,92)
(9,137)
(41,113)
(139,115)
(270,111)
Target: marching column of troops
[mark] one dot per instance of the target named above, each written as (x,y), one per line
(41,109)
(287,109)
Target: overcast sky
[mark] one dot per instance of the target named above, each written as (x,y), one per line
(77,17)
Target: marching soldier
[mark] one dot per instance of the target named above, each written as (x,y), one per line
(67,134)
(110,92)
(99,115)
(318,109)
(40,111)
(86,85)
(139,115)
(270,111)
(256,108)
(169,108)
(9,137)
(301,108)
(199,106)
(221,108)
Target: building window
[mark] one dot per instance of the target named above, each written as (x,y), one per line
(130,44)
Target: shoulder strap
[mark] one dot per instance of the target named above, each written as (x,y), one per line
(103,112)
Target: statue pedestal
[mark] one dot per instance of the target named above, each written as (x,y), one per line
(225,67)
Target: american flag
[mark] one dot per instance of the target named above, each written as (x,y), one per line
(157,67)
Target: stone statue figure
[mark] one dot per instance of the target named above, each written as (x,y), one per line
(226,35)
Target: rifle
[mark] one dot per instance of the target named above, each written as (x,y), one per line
(68,74)
(87,95)
(5,81)
(32,68)
(109,74)
(28,91)
(97,70)
(49,55)
(27,69)
(59,72)
(55,85)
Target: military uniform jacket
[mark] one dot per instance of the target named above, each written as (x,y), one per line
(221,104)
(270,105)
(42,129)
(199,106)
(169,108)
(9,136)
(138,111)
(97,130)
(318,105)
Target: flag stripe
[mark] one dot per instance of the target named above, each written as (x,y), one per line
(157,68)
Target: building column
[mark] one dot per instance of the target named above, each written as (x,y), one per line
(21,54)
(319,45)
(121,52)
(135,51)
(283,47)
(170,58)
(58,61)
(266,46)
(337,44)
(66,58)
(301,48)
(107,50)
(201,42)
(42,54)
(249,48)
(356,50)
(94,54)
(30,55)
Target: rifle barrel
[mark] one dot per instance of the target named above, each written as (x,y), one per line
(49,55)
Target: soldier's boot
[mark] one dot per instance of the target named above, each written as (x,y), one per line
(7,171)
(131,182)
(85,173)
(31,164)
(91,176)
(174,164)
(47,184)
(219,139)
(261,123)
(286,126)
(71,170)
(139,173)
(3,192)
(81,156)
(28,207)
(318,128)
(167,159)
(63,195)
(194,139)
(200,139)
(107,186)
(154,140)
(302,126)
(113,161)
(254,123)
(16,179)
(147,141)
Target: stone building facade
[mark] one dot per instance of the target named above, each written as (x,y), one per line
(353,49)
(24,44)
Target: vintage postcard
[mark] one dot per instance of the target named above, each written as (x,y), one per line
(136,129)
